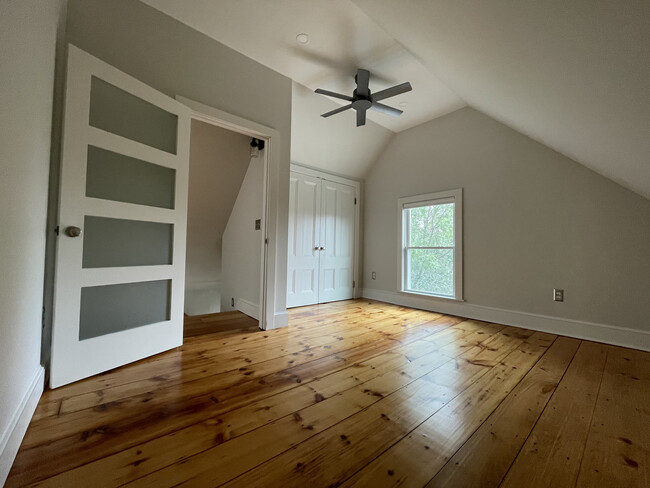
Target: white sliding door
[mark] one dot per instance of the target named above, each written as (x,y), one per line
(120,262)
(322,238)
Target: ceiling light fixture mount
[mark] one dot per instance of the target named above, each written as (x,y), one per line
(302,38)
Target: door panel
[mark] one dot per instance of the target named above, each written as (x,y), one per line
(303,273)
(140,304)
(112,176)
(337,240)
(124,166)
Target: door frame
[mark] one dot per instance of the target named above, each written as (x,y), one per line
(268,318)
(305,170)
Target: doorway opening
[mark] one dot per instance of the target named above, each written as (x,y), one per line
(226,232)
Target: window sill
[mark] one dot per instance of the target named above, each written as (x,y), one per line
(430,295)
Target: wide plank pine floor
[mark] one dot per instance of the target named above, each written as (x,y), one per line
(356,393)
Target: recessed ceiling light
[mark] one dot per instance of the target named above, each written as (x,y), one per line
(302,38)
(403,104)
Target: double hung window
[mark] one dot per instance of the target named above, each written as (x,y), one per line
(431,244)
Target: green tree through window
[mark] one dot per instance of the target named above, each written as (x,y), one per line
(430,249)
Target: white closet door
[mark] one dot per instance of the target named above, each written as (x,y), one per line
(336,242)
(304,228)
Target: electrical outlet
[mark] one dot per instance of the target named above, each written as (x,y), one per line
(374,275)
(558,295)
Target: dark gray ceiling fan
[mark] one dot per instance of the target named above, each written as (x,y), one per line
(362,98)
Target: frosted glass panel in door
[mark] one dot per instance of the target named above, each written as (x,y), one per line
(119,112)
(113,308)
(117,242)
(114,176)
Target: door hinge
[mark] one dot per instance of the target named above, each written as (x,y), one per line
(56,230)
(266,240)
(354,284)
(355,200)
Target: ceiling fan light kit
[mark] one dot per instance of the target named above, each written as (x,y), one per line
(363,99)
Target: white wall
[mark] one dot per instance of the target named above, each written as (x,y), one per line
(178,60)
(333,144)
(28,33)
(218,163)
(534,220)
(242,245)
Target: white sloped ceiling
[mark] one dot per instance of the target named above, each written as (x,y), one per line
(574,75)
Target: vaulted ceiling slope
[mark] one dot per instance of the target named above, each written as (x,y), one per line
(574,75)
(341,39)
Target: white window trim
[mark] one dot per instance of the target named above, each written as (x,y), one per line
(455,196)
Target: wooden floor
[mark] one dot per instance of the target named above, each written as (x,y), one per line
(197,325)
(354,393)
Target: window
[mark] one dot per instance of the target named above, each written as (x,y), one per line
(431,244)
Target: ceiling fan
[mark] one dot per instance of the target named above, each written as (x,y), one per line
(362,98)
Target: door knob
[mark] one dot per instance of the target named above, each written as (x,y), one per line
(316,248)
(321,249)
(73,231)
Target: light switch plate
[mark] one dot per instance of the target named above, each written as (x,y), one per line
(558,295)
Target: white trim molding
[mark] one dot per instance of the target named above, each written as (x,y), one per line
(273,276)
(12,437)
(591,331)
(249,308)
(280,320)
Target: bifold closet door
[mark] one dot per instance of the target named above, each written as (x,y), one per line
(321,241)
(303,245)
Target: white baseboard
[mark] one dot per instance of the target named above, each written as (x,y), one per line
(609,334)
(279,320)
(249,308)
(13,435)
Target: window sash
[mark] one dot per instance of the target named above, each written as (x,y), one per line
(405,204)
(406,220)
(407,274)
(429,203)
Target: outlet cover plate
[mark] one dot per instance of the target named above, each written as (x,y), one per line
(558,294)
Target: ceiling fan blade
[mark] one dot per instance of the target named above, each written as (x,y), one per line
(361,117)
(385,109)
(337,111)
(333,94)
(392,91)
(363,79)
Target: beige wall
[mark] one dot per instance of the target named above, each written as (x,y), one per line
(534,220)
(218,162)
(28,33)
(242,244)
(178,60)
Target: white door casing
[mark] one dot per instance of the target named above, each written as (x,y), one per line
(303,242)
(74,358)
